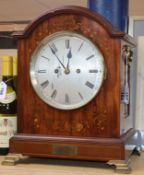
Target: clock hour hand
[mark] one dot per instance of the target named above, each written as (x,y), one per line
(54,53)
(69,56)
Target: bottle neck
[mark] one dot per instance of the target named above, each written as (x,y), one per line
(7,67)
(8,80)
(14,66)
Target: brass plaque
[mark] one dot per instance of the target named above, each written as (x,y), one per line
(67,150)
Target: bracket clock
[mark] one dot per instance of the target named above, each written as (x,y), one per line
(73,88)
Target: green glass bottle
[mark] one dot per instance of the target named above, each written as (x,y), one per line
(8,119)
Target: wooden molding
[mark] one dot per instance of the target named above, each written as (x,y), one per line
(11,27)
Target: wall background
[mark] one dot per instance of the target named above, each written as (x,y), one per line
(136,7)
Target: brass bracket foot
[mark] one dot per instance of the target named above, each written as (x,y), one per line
(11,159)
(121,166)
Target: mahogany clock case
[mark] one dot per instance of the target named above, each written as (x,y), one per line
(92,132)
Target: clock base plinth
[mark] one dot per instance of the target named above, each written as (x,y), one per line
(81,148)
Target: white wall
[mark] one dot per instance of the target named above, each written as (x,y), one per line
(140,85)
(136,7)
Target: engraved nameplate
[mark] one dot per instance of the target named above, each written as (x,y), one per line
(65,150)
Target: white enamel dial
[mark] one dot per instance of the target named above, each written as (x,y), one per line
(66,70)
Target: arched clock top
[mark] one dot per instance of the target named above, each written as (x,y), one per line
(68,10)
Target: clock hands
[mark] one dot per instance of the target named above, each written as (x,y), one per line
(69,56)
(54,53)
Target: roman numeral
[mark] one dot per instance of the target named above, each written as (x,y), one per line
(53,48)
(42,71)
(91,56)
(89,84)
(93,71)
(54,93)
(67,43)
(45,84)
(80,47)
(67,99)
(80,95)
(45,57)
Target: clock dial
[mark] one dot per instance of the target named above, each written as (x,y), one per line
(67,70)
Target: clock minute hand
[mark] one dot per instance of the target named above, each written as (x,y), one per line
(54,52)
